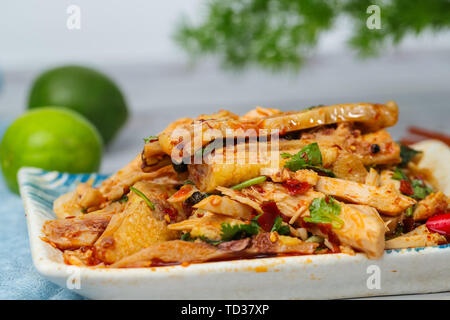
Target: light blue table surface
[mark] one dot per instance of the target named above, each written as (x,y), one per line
(18,277)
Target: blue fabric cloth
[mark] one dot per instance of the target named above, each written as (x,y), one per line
(18,277)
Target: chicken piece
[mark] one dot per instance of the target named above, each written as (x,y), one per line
(87,199)
(349,167)
(225,206)
(371,116)
(283,174)
(419,237)
(138,225)
(373,178)
(208,226)
(288,204)
(208,177)
(391,223)
(386,179)
(372,148)
(83,257)
(263,243)
(240,197)
(230,166)
(183,193)
(83,199)
(259,113)
(432,204)
(119,183)
(219,115)
(73,233)
(376,148)
(385,199)
(153,157)
(178,251)
(363,230)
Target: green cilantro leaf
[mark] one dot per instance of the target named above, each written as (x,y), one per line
(325,210)
(407,154)
(279,227)
(212,242)
(420,189)
(239,231)
(123,199)
(187,237)
(309,157)
(399,175)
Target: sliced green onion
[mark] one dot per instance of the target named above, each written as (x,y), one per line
(249,183)
(151,138)
(143,196)
(318,239)
(409,212)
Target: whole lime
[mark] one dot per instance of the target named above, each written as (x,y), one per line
(52,139)
(86,91)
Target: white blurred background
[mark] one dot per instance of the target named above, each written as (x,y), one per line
(131,41)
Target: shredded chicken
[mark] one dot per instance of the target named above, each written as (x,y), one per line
(222,186)
(73,233)
(432,204)
(385,199)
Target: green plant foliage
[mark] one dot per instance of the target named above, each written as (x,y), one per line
(279,34)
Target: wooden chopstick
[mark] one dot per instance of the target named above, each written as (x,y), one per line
(429,134)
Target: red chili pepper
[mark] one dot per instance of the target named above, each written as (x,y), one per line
(295,187)
(406,188)
(270,212)
(172,213)
(440,224)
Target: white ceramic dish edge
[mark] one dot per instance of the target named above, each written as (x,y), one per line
(420,270)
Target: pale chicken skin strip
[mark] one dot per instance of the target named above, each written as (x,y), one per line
(178,251)
(385,199)
(77,232)
(371,116)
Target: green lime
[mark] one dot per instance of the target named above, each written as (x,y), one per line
(86,91)
(52,139)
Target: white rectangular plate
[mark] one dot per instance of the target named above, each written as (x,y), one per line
(419,270)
